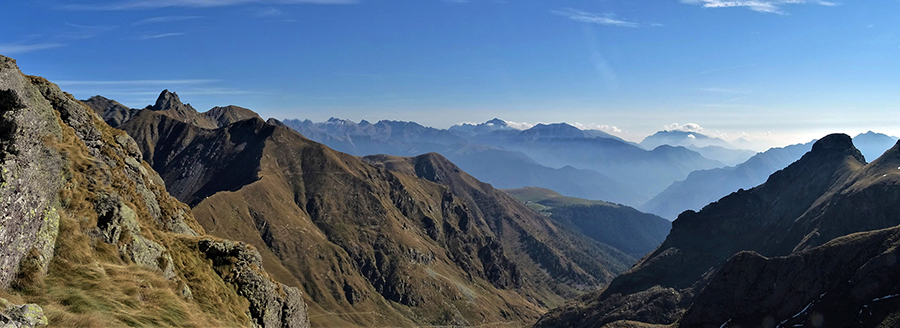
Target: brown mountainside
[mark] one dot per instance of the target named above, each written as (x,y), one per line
(384,241)
(830,192)
(90,235)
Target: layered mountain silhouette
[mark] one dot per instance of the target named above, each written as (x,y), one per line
(763,255)
(91,238)
(706,186)
(709,147)
(380,240)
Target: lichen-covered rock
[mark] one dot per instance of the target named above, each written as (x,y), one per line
(21,316)
(30,173)
(272,304)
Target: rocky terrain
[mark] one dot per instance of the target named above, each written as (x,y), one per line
(763,255)
(90,237)
(380,240)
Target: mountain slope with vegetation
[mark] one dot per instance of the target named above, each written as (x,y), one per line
(829,193)
(380,240)
(619,226)
(92,238)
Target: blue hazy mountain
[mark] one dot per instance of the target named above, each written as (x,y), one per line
(873,144)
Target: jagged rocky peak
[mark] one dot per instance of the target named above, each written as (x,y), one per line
(168,100)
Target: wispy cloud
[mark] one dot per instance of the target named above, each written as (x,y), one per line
(135,82)
(156,4)
(82,32)
(164,19)
(763,6)
(608,19)
(19,48)
(158,36)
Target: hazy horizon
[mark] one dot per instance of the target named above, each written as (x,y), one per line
(776,72)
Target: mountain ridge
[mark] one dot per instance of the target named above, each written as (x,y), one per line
(797,210)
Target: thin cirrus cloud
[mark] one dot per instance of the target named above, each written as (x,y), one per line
(608,19)
(763,6)
(19,48)
(156,4)
(164,19)
(158,36)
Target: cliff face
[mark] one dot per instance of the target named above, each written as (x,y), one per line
(90,234)
(830,192)
(385,241)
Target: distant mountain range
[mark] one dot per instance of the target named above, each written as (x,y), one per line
(584,163)
(801,249)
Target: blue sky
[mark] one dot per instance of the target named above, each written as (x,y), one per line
(780,71)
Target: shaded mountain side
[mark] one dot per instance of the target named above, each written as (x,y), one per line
(828,193)
(619,226)
(182,155)
(848,282)
(112,112)
(91,236)
(706,186)
(388,241)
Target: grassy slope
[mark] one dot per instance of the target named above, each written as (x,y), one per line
(90,285)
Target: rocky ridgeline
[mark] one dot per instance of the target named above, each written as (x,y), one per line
(71,184)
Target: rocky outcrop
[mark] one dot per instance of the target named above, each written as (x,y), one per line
(21,316)
(272,304)
(85,218)
(30,174)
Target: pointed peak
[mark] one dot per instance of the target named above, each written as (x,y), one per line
(167,100)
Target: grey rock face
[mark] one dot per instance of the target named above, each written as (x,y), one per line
(30,173)
(272,304)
